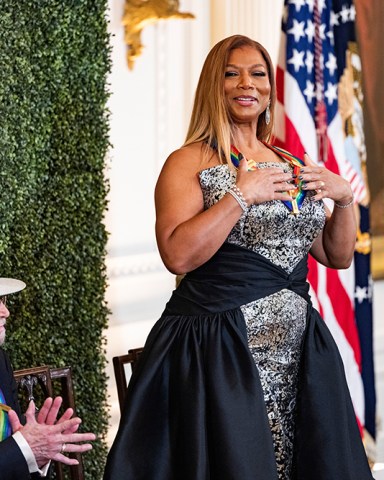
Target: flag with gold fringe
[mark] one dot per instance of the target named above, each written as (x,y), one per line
(319,111)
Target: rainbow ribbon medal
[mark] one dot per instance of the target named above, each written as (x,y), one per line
(296,192)
(5,426)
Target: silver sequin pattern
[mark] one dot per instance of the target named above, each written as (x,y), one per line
(275,324)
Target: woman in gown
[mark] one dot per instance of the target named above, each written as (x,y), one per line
(240,378)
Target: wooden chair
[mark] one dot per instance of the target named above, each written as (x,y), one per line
(119,364)
(38,383)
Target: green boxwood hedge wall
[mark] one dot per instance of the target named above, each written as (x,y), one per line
(54,62)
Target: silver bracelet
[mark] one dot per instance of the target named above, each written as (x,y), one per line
(340,205)
(238,196)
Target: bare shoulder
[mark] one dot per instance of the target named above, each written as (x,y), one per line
(178,194)
(190,159)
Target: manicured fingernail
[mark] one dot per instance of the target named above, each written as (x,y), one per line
(241,156)
(294,175)
(300,177)
(303,185)
(301,170)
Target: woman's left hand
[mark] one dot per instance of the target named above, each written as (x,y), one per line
(325,183)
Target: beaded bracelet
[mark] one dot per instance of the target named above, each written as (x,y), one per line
(339,205)
(238,196)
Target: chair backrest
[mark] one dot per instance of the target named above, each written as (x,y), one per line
(42,382)
(33,384)
(119,363)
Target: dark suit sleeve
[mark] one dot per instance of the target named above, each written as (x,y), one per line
(12,462)
(7,382)
(13,465)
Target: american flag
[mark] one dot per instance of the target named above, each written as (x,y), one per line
(319,111)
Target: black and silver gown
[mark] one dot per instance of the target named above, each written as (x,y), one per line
(240,378)
(275,324)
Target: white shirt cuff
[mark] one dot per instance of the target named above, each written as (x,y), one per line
(29,456)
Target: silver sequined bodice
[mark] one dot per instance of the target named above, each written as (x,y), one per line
(275,324)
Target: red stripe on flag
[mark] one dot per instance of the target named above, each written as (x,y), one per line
(360,427)
(344,312)
(280,84)
(331,162)
(292,142)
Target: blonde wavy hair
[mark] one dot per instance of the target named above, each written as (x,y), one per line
(210,120)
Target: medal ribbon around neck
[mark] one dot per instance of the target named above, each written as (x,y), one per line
(296,192)
(5,426)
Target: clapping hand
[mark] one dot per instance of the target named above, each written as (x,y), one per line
(49,438)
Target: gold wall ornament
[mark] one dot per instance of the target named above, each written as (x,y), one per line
(140,13)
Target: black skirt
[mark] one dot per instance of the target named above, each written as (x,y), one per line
(195,408)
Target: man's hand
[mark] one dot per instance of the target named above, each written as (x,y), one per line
(46,438)
(48,413)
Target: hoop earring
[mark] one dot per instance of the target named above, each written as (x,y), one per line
(267,115)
